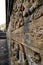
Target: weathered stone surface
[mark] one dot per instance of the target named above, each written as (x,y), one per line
(36,31)
(27,30)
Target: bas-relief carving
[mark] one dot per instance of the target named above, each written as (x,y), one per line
(27,23)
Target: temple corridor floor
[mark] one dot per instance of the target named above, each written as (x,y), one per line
(4,57)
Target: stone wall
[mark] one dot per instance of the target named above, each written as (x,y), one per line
(26,32)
